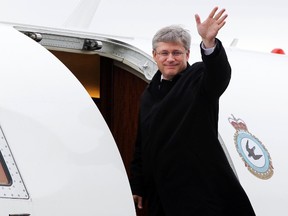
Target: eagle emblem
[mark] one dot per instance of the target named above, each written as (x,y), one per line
(253,153)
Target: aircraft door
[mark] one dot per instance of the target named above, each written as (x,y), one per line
(57,154)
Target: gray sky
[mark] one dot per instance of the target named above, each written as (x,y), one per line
(257,25)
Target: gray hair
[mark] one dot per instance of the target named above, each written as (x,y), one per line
(172,33)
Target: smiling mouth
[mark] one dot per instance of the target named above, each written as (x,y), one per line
(171,66)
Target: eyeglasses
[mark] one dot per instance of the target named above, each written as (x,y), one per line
(165,54)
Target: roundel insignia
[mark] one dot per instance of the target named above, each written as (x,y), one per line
(254,154)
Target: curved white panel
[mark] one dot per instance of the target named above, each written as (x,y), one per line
(256,103)
(61,144)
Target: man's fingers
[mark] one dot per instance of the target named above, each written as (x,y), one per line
(211,15)
(218,15)
(197,18)
(138,201)
(140,205)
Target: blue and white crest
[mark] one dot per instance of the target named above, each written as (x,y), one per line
(254,154)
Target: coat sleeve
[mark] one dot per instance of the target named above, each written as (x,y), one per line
(217,70)
(136,169)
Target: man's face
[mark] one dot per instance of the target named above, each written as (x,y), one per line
(171,58)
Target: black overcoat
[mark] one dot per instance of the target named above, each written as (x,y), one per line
(178,156)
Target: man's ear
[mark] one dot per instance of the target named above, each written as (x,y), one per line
(188,54)
(154,54)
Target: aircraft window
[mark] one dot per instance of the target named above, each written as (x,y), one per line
(12,185)
(5,178)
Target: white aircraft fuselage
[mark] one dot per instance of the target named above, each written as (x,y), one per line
(58,156)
